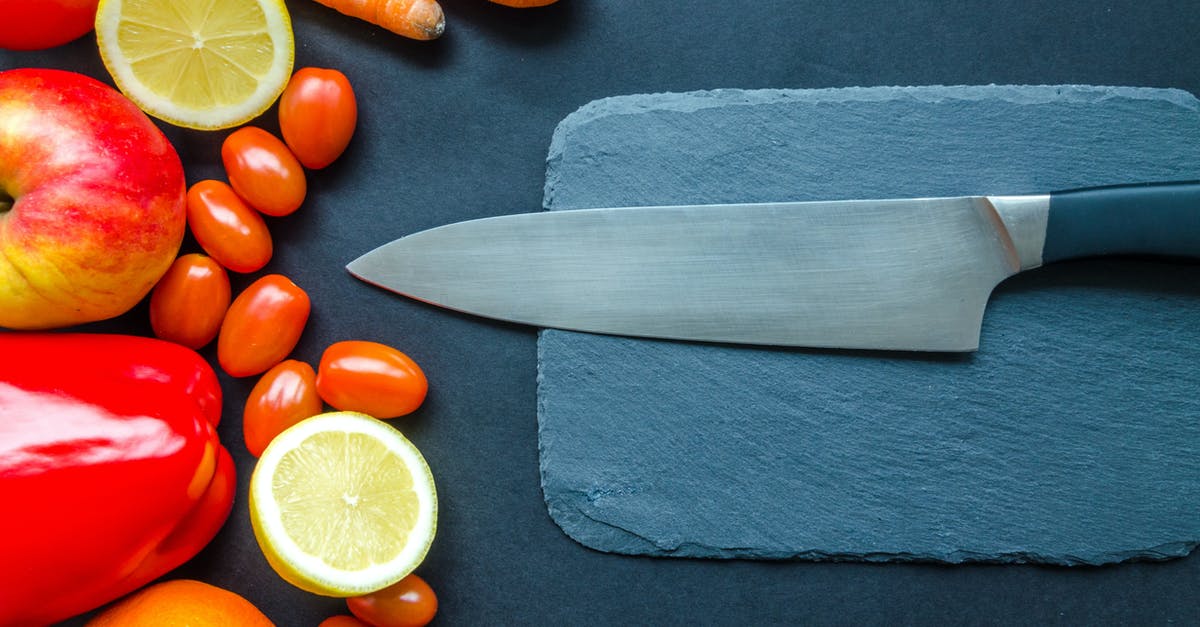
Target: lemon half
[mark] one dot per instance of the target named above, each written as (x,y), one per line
(342,504)
(201,64)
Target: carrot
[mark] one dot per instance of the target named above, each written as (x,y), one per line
(416,19)
(524,4)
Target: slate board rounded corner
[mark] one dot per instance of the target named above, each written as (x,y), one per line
(590,533)
(1042,450)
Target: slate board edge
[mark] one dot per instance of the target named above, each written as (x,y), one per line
(631,104)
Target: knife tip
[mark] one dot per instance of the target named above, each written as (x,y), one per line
(355,268)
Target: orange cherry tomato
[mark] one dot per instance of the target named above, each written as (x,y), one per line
(226,228)
(371,378)
(407,603)
(189,302)
(285,395)
(317,115)
(342,621)
(263,171)
(262,326)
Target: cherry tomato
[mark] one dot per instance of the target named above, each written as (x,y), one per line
(263,171)
(285,395)
(371,378)
(232,233)
(342,621)
(408,603)
(39,24)
(262,326)
(189,301)
(317,115)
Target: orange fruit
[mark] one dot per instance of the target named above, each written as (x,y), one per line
(182,603)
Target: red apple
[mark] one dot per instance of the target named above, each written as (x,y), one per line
(92,206)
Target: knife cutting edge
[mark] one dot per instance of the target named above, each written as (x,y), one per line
(900,274)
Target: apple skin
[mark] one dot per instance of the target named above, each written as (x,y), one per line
(97,209)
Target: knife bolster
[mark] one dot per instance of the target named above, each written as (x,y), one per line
(1024,218)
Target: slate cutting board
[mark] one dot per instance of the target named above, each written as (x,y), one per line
(1071,437)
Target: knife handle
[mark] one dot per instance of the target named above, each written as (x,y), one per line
(1142,219)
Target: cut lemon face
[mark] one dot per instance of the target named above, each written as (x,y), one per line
(202,64)
(342,504)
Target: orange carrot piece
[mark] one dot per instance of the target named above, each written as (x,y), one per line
(416,19)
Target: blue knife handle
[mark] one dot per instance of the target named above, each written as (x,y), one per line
(1143,219)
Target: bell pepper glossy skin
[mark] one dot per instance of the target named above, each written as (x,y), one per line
(111,471)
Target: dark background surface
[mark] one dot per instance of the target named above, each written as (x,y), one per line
(459,128)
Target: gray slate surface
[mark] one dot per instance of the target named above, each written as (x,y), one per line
(1071,437)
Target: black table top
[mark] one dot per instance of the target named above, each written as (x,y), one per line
(458,128)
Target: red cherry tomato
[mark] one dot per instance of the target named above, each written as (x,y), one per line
(317,115)
(262,326)
(408,603)
(371,378)
(263,171)
(232,233)
(39,24)
(189,301)
(285,395)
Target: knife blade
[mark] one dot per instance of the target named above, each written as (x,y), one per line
(895,274)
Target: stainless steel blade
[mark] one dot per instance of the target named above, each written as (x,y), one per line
(911,274)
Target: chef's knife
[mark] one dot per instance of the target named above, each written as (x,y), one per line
(905,274)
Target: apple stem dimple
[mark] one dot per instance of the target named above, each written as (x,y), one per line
(6,201)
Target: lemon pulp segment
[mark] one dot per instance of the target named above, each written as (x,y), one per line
(352,510)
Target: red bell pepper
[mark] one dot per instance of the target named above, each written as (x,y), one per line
(111,472)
